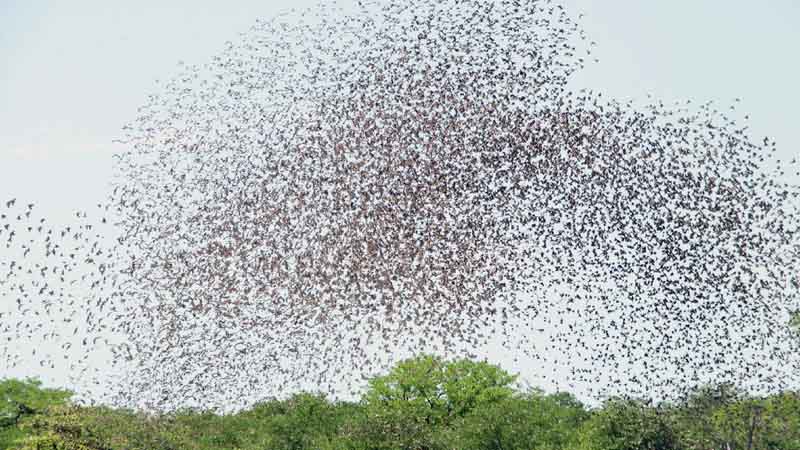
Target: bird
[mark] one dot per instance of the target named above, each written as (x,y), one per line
(402,205)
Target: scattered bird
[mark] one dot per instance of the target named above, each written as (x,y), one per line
(432,184)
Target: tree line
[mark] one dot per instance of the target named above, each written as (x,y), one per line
(424,402)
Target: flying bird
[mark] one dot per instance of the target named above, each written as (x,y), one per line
(431,184)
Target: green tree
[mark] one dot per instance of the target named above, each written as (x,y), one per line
(529,421)
(25,397)
(722,417)
(782,422)
(418,401)
(20,399)
(704,418)
(307,418)
(628,424)
(794,321)
(96,428)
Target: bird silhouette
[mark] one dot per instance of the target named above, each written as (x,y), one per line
(384,183)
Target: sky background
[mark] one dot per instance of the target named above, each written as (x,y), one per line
(73,73)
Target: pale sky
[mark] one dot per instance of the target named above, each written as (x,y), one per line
(73,73)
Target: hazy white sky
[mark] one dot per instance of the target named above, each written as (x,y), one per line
(73,73)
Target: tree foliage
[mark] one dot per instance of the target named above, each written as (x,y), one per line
(422,403)
(426,394)
(628,424)
(532,421)
(20,399)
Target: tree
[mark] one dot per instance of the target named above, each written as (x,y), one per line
(722,417)
(703,417)
(782,421)
(422,397)
(529,421)
(99,428)
(794,321)
(20,399)
(25,397)
(306,419)
(628,424)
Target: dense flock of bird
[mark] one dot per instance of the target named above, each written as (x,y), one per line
(342,187)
